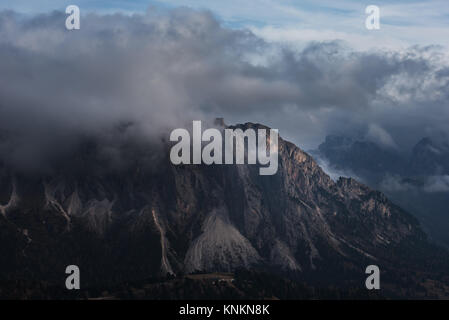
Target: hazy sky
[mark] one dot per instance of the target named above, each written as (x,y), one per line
(402,22)
(307,70)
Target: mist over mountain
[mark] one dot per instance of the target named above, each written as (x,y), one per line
(85,177)
(418,180)
(158,69)
(135,224)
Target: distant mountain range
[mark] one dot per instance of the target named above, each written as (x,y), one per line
(367,158)
(152,220)
(418,180)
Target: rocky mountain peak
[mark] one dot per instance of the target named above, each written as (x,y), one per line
(186,218)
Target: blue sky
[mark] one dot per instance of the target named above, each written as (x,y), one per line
(403,23)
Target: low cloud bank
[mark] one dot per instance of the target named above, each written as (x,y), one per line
(144,75)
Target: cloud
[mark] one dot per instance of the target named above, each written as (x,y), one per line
(395,183)
(437,184)
(380,136)
(140,76)
(428,184)
(333,172)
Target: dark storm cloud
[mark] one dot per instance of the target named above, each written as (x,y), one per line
(160,70)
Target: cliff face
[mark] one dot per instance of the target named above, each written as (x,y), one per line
(139,223)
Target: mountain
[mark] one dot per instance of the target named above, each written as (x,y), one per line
(371,161)
(418,180)
(430,157)
(152,219)
(365,158)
